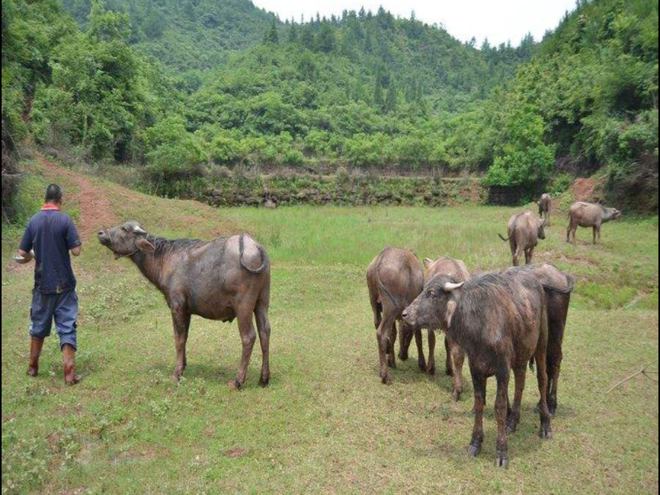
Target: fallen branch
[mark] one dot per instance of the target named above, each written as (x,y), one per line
(640,371)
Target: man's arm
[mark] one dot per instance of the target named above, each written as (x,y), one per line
(72,239)
(25,253)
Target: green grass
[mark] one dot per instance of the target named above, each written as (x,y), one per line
(325,423)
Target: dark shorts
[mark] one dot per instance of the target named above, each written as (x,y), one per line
(62,307)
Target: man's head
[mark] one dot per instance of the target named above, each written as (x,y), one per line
(54,194)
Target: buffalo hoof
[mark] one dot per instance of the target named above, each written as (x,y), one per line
(402,356)
(391,362)
(234,385)
(552,408)
(386,380)
(502,460)
(263,382)
(545,433)
(449,372)
(473,450)
(430,370)
(511,427)
(422,364)
(32,371)
(456,395)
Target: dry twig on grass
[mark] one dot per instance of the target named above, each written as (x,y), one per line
(642,371)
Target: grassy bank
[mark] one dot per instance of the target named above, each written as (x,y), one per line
(325,424)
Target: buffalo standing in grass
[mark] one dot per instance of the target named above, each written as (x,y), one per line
(545,203)
(454,354)
(589,215)
(222,279)
(500,321)
(558,287)
(524,230)
(394,279)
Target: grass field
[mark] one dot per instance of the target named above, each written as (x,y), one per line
(325,424)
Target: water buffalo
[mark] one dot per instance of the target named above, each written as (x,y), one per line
(454,354)
(545,203)
(558,287)
(524,230)
(589,215)
(222,279)
(394,279)
(500,321)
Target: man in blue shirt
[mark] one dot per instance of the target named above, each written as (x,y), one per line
(51,235)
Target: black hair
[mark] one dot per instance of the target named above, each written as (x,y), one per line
(53,193)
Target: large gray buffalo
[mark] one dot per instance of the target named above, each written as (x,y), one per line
(500,321)
(394,278)
(589,215)
(524,231)
(222,279)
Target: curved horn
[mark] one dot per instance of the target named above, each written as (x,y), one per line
(139,230)
(450,286)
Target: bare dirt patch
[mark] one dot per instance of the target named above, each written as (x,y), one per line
(95,206)
(587,189)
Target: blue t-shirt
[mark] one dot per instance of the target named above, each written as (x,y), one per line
(51,234)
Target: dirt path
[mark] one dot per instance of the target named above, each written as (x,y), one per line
(95,206)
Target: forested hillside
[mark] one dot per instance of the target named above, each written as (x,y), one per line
(186,92)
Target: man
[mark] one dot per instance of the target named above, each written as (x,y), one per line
(51,235)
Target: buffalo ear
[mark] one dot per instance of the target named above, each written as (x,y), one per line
(145,246)
(427,262)
(451,308)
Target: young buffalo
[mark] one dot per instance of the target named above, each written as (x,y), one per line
(524,231)
(394,279)
(222,279)
(545,203)
(454,354)
(589,215)
(499,320)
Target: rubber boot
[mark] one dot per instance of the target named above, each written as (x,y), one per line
(35,351)
(68,358)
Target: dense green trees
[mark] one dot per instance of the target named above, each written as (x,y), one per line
(179,87)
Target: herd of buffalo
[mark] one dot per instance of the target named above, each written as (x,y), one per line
(502,321)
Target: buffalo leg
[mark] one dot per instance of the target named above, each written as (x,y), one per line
(382,338)
(449,366)
(594,234)
(391,340)
(513,415)
(457,358)
(181,324)
(501,405)
(405,337)
(248,337)
(421,362)
(263,326)
(430,365)
(479,385)
(542,379)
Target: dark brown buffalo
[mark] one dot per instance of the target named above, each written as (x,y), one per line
(222,279)
(524,230)
(558,287)
(454,356)
(499,320)
(394,279)
(545,203)
(589,215)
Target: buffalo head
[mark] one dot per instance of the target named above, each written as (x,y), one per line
(434,307)
(126,239)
